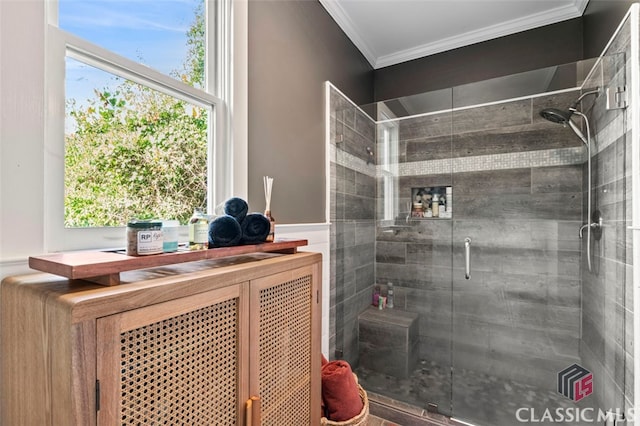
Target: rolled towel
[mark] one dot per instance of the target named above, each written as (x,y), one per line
(323,407)
(340,391)
(255,228)
(236,207)
(224,231)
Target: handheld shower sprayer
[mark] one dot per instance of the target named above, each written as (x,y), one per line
(563,117)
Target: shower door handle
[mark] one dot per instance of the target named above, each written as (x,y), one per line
(467,256)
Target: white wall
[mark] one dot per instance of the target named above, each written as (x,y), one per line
(318,237)
(22,174)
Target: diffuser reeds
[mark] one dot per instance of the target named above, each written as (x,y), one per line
(268,186)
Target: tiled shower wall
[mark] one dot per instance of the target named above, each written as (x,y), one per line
(352,215)
(517,193)
(606,346)
(531,308)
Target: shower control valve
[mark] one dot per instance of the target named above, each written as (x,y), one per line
(592,225)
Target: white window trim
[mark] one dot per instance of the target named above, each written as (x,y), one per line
(388,164)
(219,78)
(238,71)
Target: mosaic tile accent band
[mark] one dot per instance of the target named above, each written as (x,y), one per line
(343,158)
(546,158)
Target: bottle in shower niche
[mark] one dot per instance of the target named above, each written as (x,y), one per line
(435,205)
(390,295)
(376,296)
(198,230)
(449,200)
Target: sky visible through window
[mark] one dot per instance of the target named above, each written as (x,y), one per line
(152,32)
(131,150)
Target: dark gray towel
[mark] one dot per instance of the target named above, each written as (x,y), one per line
(255,228)
(236,207)
(224,231)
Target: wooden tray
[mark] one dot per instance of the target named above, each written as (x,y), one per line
(104,267)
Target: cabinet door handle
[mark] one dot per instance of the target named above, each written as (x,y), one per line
(467,256)
(252,413)
(248,412)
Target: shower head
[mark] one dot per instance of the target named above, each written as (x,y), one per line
(561,116)
(555,115)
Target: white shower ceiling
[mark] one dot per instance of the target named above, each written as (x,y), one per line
(388,32)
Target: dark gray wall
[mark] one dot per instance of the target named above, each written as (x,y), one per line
(600,20)
(538,48)
(294,46)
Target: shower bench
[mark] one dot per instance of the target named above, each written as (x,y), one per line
(388,341)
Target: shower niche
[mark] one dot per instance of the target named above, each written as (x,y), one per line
(432,202)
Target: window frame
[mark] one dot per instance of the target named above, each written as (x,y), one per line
(388,129)
(59,44)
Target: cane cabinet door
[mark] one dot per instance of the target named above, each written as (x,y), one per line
(181,362)
(285,346)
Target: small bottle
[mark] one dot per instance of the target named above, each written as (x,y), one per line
(376,296)
(417,210)
(435,205)
(170,229)
(390,295)
(449,207)
(272,230)
(198,230)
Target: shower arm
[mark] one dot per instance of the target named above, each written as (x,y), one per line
(574,105)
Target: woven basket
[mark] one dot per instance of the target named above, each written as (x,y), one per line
(359,420)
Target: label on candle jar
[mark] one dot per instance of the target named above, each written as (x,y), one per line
(149,242)
(144,237)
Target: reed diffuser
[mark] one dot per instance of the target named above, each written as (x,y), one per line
(268,185)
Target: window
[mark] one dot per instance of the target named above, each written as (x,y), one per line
(136,115)
(388,159)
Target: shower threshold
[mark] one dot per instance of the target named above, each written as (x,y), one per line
(495,400)
(407,415)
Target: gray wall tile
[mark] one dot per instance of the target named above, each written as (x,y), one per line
(530,301)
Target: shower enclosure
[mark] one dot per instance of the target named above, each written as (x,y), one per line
(502,312)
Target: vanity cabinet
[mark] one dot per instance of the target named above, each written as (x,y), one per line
(184,344)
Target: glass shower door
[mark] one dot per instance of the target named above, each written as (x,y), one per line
(518,206)
(405,351)
(538,330)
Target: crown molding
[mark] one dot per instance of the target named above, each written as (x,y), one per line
(551,16)
(346,24)
(488,33)
(580,5)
